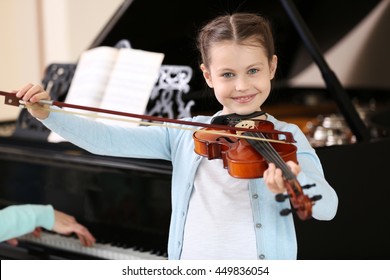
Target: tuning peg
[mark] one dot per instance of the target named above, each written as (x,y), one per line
(316,197)
(285,212)
(308,186)
(281,197)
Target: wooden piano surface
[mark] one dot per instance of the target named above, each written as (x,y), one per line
(359,231)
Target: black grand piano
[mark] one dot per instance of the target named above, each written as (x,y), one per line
(126,202)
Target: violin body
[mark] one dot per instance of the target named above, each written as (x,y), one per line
(239,157)
(248,158)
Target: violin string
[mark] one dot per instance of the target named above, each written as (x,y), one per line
(274,157)
(271,155)
(101,116)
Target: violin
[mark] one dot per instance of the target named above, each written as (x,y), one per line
(249,157)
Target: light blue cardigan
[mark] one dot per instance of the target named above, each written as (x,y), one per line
(275,234)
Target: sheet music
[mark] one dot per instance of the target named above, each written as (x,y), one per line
(115,79)
(131,82)
(91,76)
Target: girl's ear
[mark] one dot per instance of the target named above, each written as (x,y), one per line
(273,66)
(206,75)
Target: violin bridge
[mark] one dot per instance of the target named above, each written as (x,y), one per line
(245,124)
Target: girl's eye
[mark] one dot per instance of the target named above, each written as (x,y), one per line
(227,75)
(253,71)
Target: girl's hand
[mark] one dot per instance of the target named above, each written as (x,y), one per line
(31,94)
(274,179)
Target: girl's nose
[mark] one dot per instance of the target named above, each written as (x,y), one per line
(242,84)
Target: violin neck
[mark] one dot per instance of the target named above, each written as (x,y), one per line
(269,153)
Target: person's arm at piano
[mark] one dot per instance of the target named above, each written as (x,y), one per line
(18,220)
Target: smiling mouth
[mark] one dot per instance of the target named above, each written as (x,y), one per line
(244,99)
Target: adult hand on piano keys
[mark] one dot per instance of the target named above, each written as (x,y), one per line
(14,241)
(66,224)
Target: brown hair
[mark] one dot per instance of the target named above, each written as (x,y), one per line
(238,27)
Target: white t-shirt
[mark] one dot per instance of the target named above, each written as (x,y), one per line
(219,223)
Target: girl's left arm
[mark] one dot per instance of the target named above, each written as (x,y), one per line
(312,173)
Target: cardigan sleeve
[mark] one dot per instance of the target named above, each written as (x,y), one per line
(17,220)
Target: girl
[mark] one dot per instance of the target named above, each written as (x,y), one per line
(214,216)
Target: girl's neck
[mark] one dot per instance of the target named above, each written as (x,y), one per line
(229,118)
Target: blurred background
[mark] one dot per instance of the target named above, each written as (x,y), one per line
(36,33)
(352,38)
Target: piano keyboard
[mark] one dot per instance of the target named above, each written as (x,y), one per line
(103,251)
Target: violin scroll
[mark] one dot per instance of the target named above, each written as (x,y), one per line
(301,204)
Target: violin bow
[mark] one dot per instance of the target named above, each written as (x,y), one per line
(13,100)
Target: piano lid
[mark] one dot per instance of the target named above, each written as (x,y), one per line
(170,27)
(359,58)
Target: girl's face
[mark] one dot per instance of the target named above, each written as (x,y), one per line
(240,76)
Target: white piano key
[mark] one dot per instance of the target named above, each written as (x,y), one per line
(103,251)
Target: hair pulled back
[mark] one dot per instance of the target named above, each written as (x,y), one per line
(242,28)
